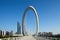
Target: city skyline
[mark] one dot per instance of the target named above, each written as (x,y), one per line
(12,11)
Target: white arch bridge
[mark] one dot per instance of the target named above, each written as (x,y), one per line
(36,16)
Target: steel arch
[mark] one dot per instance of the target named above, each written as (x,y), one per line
(36,16)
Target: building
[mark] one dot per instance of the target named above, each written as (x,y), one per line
(18,28)
(45,34)
(0,32)
(7,33)
(11,33)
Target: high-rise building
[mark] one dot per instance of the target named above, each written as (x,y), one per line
(18,28)
(0,32)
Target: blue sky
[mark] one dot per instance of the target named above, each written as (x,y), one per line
(48,11)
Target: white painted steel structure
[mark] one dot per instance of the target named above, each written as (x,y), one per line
(36,16)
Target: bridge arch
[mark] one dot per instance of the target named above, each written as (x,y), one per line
(36,16)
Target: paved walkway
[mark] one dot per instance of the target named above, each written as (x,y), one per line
(26,38)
